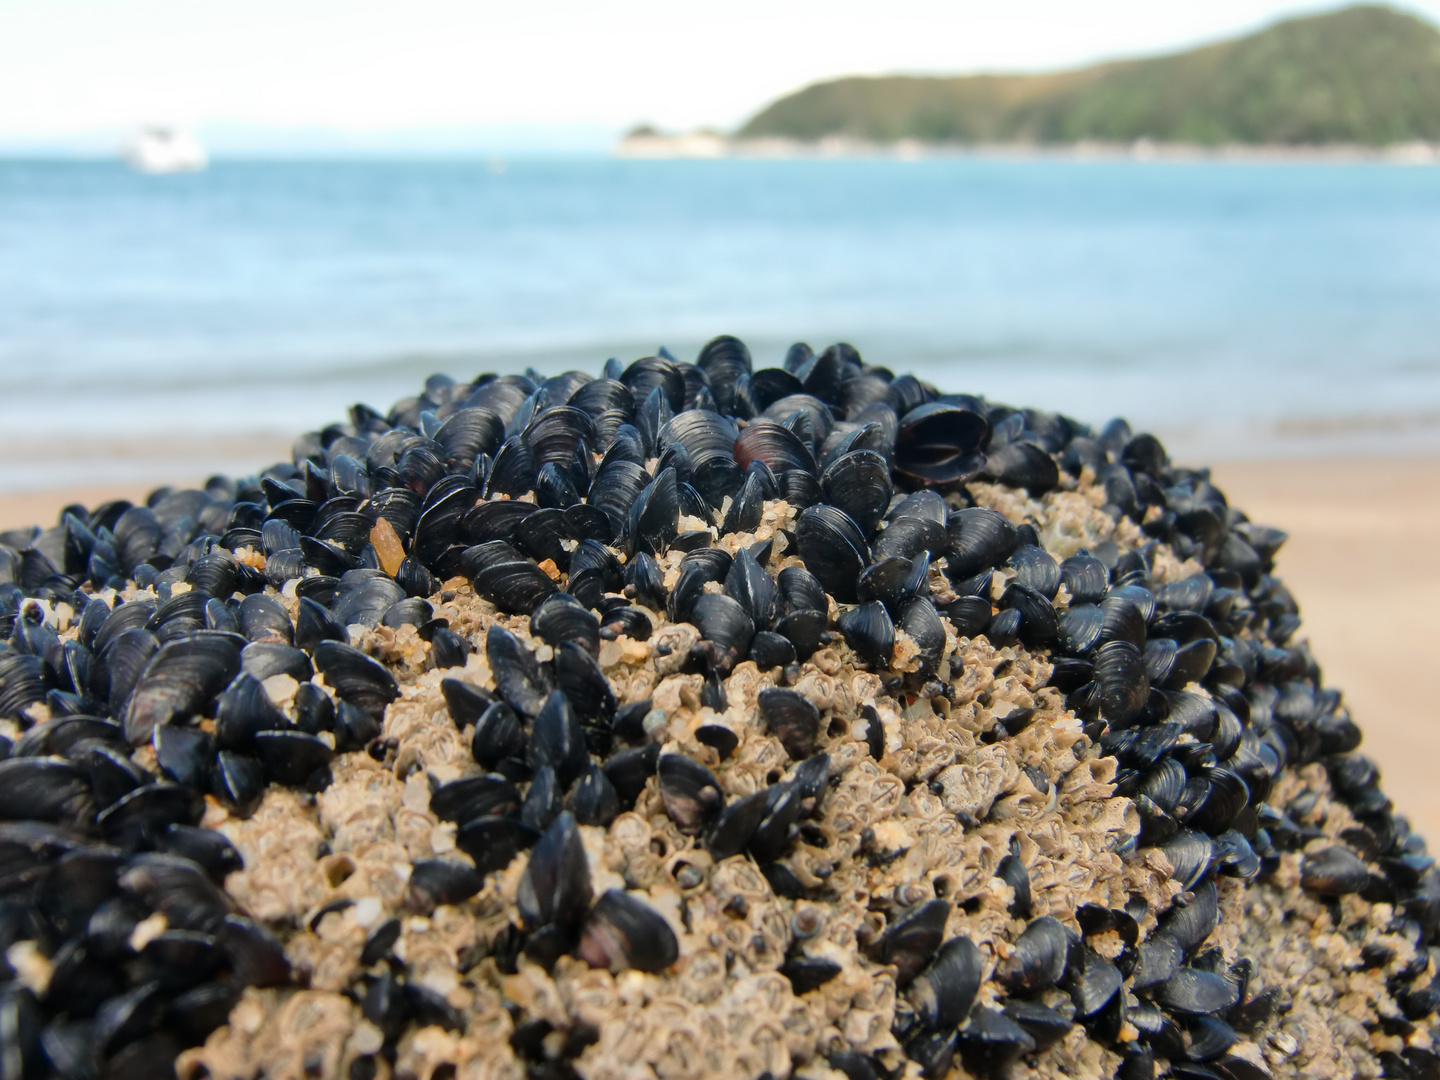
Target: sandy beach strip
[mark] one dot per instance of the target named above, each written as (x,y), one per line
(1363,561)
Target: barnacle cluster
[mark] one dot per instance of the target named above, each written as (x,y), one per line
(691,721)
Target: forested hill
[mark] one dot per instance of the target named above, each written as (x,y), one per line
(1366,75)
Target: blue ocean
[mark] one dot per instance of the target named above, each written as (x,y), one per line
(1232,309)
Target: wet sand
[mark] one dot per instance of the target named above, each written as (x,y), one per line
(1363,560)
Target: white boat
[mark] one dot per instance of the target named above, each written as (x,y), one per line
(166,150)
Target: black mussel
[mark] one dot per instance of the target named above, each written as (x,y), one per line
(990,1042)
(1013,872)
(407,611)
(1081,628)
(179,680)
(1093,982)
(1156,960)
(561,618)
(543,800)
(356,678)
(1196,992)
(505,577)
(735,826)
(495,520)
(868,630)
(922,505)
(1164,784)
(690,792)
(1042,1023)
(293,758)
(1332,871)
(243,711)
(1039,623)
(519,678)
(979,540)
(111,772)
(498,736)
(555,888)
(912,941)
(1120,677)
(792,718)
(263,618)
(594,800)
(1189,925)
(833,549)
(314,624)
(642,574)
(652,519)
(777,446)
(238,781)
(60,736)
(1023,464)
(886,581)
(626,621)
(907,537)
(807,973)
(770,650)
(434,882)
(943,993)
(135,819)
(1189,853)
(185,755)
(473,797)
(367,598)
(48,789)
(629,769)
(933,1051)
(314,709)
(858,483)
(1085,577)
(800,590)
(465,702)
(938,445)
(178,888)
(1037,960)
(557,740)
(722,620)
(745,509)
(752,588)
(263,659)
(805,630)
(494,841)
(579,678)
(623,932)
(1036,570)
(205,847)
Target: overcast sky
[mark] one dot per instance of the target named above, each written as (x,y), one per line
(70,67)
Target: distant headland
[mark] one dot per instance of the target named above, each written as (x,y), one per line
(1363,82)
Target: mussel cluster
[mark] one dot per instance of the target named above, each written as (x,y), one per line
(693,720)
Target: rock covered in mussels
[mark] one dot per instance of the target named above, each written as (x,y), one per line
(695,720)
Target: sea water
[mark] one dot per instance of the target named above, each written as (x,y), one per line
(1230,308)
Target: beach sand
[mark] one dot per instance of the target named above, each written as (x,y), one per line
(1363,561)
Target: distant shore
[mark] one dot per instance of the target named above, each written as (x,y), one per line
(711,146)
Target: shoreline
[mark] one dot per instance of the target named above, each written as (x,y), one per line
(1363,561)
(709,146)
